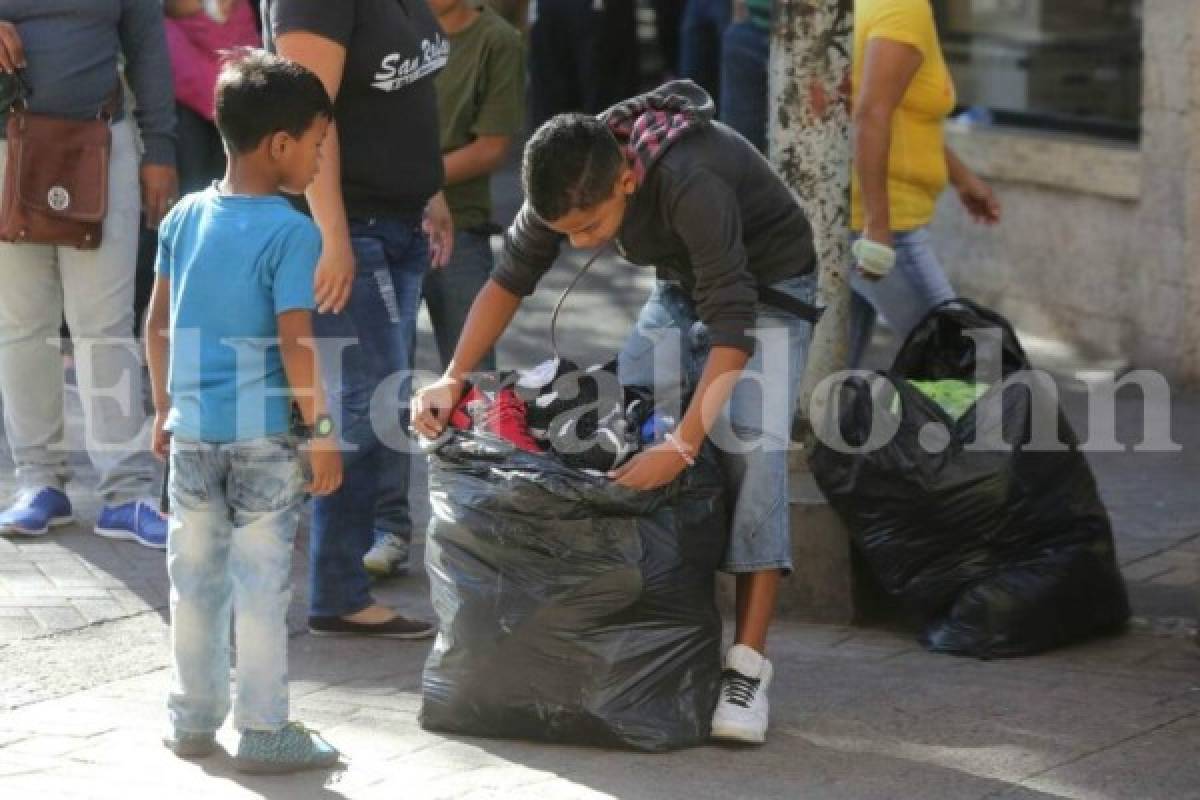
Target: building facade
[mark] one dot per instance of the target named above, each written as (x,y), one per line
(1100,243)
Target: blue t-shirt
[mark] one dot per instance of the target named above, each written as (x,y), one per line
(235,262)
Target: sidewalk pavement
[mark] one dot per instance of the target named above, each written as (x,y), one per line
(856,713)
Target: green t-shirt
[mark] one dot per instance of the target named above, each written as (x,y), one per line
(481,92)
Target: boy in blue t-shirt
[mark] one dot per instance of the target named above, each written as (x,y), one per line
(232,310)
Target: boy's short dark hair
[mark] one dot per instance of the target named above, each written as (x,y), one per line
(259,94)
(572,162)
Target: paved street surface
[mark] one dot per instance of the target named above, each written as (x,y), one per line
(857,713)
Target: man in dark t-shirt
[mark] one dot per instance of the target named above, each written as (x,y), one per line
(480,104)
(382,171)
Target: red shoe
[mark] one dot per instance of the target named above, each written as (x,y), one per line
(459,418)
(501,414)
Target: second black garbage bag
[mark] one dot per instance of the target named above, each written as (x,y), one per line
(570,609)
(986,525)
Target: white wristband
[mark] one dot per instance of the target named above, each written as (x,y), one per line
(680,448)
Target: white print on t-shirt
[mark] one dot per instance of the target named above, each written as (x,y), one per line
(396,72)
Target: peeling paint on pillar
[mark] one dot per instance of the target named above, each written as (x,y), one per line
(809,143)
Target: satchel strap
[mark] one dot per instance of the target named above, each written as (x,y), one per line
(108,110)
(24,91)
(112,103)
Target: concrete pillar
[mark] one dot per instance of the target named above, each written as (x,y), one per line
(809,143)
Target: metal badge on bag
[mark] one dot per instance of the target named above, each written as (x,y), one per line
(58,198)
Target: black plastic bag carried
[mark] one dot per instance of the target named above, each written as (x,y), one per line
(571,609)
(1003,551)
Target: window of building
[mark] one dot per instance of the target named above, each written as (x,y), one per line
(1057,65)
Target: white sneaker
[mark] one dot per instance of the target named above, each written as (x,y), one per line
(387,557)
(742,709)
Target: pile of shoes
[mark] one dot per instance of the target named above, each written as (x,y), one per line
(584,417)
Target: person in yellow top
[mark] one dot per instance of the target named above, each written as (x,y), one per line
(902,94)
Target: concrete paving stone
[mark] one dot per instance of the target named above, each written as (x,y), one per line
(418,770)
(990,713)
(18,764)
(87,581)
(39,548)
(1178,627)
(1158,765)
(14,628)
(1178,558)
(1101,655)
(54,717)
(1183,660)
(153,684)
(97,782)
(9,737)
(370,744)
(405,702)
(131,601)
(49,745)
(124,747)
(27,583)
(59,618)
(97,610)
(71,566)
(330,702)
(105,572)
(1188,576)
(56,596)
(499,779)
(1146,569)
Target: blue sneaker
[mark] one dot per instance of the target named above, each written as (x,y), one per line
(292,749)
(138,520)
(36,511)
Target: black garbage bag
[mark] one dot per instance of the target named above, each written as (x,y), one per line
(570,609)
(1001,551)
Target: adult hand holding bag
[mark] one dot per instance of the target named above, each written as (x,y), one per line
(56,179)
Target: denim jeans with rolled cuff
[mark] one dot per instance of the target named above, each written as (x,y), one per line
(667,352)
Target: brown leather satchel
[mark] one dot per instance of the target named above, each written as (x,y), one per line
(56,179)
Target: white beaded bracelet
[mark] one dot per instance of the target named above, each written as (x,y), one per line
(873,258)
(681,448)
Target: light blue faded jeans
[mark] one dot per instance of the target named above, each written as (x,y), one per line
(234,512)
(667,352)
(914,287)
